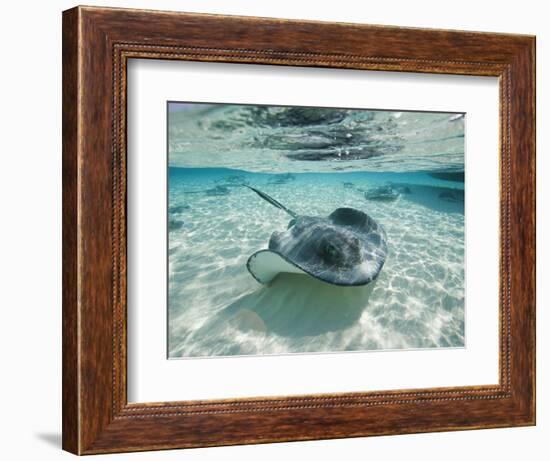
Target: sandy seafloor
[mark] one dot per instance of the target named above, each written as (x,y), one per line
(216,308)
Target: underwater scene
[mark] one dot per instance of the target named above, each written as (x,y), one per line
(313,230)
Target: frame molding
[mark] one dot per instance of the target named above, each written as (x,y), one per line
(97,44)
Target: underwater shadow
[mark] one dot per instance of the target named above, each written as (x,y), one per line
(295,306)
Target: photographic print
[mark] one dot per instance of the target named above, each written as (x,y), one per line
(313,230)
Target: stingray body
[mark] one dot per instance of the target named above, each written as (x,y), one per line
(346,248)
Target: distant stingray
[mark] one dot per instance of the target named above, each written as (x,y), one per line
(452,196)
(402,189)
(179,208)
(282,179)
(346,248)
(456,176)
(234,180)
(215,191)
(175,224)
(436,198)
(382,194)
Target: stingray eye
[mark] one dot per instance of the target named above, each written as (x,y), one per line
(291,223)
(330,252)
(339,250)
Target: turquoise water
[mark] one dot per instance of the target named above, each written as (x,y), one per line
(216,308)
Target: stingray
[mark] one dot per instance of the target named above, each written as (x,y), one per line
(235,180)
(179,208)
(382,194)
(346,248)
(282,179)
(401,189)
(175,224)
(452,196)
(217,191)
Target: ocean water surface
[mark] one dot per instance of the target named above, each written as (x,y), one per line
(404,169)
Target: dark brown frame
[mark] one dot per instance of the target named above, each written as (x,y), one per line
(97,43)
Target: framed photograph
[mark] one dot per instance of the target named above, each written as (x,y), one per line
(282,230)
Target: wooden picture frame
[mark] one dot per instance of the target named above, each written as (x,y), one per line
(97,44)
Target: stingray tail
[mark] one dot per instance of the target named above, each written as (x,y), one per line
(271,200)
